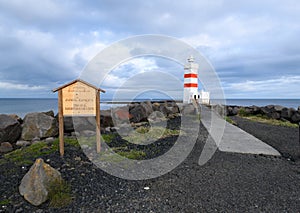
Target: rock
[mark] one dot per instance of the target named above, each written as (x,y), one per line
(295,118)
(138,114)
(75,134)
(287,113)
(49,140)
(106,119)
(275,115)
(84,123)
(5,147)
(88,133)
(36,139)
(155,106)
(39,125)
(121,115)
(23,143)
(156,116)
(278,108)
(38,181)
(164,109)
(10,129)
(49,113)
(16,117)
(68,124)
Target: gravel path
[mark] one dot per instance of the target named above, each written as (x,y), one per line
(227,183)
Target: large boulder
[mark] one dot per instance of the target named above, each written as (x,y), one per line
(106,119)
(140,112)
(287,113)
(39,125)
(10,129)
(295,118)
(37,182)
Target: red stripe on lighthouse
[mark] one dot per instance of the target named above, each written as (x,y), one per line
(190,85)
(191,75)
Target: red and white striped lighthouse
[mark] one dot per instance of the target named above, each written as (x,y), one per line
(190,81)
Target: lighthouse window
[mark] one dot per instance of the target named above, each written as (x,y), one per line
(195,96)
(198,96)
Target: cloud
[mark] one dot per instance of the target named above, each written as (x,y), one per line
(12,86)
(285,86)
(49,43)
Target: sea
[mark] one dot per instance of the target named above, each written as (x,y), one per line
(22,106)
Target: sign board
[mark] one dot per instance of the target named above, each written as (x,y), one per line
(79,100)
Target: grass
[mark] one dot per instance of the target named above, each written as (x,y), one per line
(242,112)
(26,156)
(4,202)
(144,134)
(229,120)
(132,154)
(59,194)
(266,120)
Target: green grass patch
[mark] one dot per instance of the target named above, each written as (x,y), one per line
(133,154)
(242,112)
(144,134)
(4,202)
(27,155)
(59,194)
(229,120)
(266,120)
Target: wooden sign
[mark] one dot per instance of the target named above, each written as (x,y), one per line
(78,98)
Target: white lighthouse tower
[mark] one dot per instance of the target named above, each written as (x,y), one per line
(190,81)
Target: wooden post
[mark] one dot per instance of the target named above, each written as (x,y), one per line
(61,123)
(98,133)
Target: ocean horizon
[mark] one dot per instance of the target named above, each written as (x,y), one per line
(22,106)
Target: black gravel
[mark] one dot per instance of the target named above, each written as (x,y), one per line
(284,139)
(227,183)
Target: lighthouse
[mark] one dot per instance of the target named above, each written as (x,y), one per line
(190,81)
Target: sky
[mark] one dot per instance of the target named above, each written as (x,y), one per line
(253,45)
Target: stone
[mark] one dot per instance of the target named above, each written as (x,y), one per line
(106,119)
(38,181)
(287,113)
(68,124)
(16,117)
(156,116)
(10,129)
(88,133)
(49,113)
(39,125)
(5,147)
(84,123)
(23,143)
(49,140)
(295,118)
(155,106)
(138,114)
(278,108)
(121,115)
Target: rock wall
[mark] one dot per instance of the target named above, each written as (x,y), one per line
(271,111)
(41,125)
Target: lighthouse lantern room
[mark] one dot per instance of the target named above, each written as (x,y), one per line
(191,81)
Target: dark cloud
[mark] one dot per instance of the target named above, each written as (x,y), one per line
(45,43)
